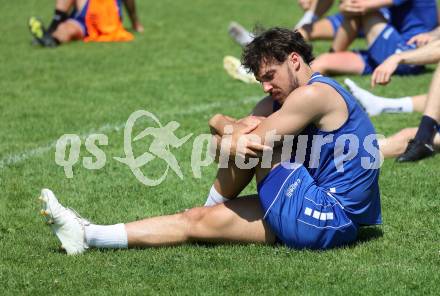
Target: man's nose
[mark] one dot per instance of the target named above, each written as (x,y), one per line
(267,87)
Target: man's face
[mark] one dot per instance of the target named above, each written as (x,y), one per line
(277,79)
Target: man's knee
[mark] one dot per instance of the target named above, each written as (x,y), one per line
(67,31)
(204,222)
(194,218)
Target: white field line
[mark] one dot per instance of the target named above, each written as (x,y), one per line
(26,154)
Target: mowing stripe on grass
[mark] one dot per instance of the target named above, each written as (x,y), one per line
(24,155)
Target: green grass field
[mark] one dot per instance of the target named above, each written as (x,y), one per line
(175,71)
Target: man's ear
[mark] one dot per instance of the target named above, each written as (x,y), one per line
(294,60)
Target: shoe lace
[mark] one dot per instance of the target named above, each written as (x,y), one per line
(82,220)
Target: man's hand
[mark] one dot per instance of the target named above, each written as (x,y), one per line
(421,39)
(251,120)
(305,4)
(382,74)
(244,144)
(353,7)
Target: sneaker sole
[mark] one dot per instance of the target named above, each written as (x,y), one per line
(230,64)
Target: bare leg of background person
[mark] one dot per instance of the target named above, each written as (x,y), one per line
(419,102)
(320,7)
(347,61)
(422,144)
(319,30)
(346,34)
(68,31)
(61,13)
(396,144)
(432,108)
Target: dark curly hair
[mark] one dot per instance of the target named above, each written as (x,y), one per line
(275,44)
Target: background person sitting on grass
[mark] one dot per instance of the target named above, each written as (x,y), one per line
(421,144)
(91,20)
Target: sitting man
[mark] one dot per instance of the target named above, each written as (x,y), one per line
(91,20)
(318,205)
(407,19)
(312,26)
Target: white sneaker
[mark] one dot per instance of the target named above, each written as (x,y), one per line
(240,34)
(236,70)
(66,224)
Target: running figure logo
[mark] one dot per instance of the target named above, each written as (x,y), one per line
(163,139)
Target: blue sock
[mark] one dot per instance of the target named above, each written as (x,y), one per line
(428,127)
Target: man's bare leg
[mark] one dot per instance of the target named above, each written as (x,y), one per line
(422,145)
(346,34)
(238,220)
(432,108)
(319,30)
(396,144)
(61,13)
(349,62)
(62,29)
(419,102)
(345,62)
(68,31)
(230,181)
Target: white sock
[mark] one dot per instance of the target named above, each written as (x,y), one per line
(240,34)
(374,105)
(308,18)
(108,236)
(214,198)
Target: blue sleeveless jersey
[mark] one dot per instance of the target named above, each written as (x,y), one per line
(344,162)
(412,17)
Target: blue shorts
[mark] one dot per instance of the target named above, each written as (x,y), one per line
(302,214)
(80,17)
(337,19)
(386,44)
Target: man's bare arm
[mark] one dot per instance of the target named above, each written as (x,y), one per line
(428,54)
(303,106)
(218,122)
(425,38)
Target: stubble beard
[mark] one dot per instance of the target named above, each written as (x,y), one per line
(294,82)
